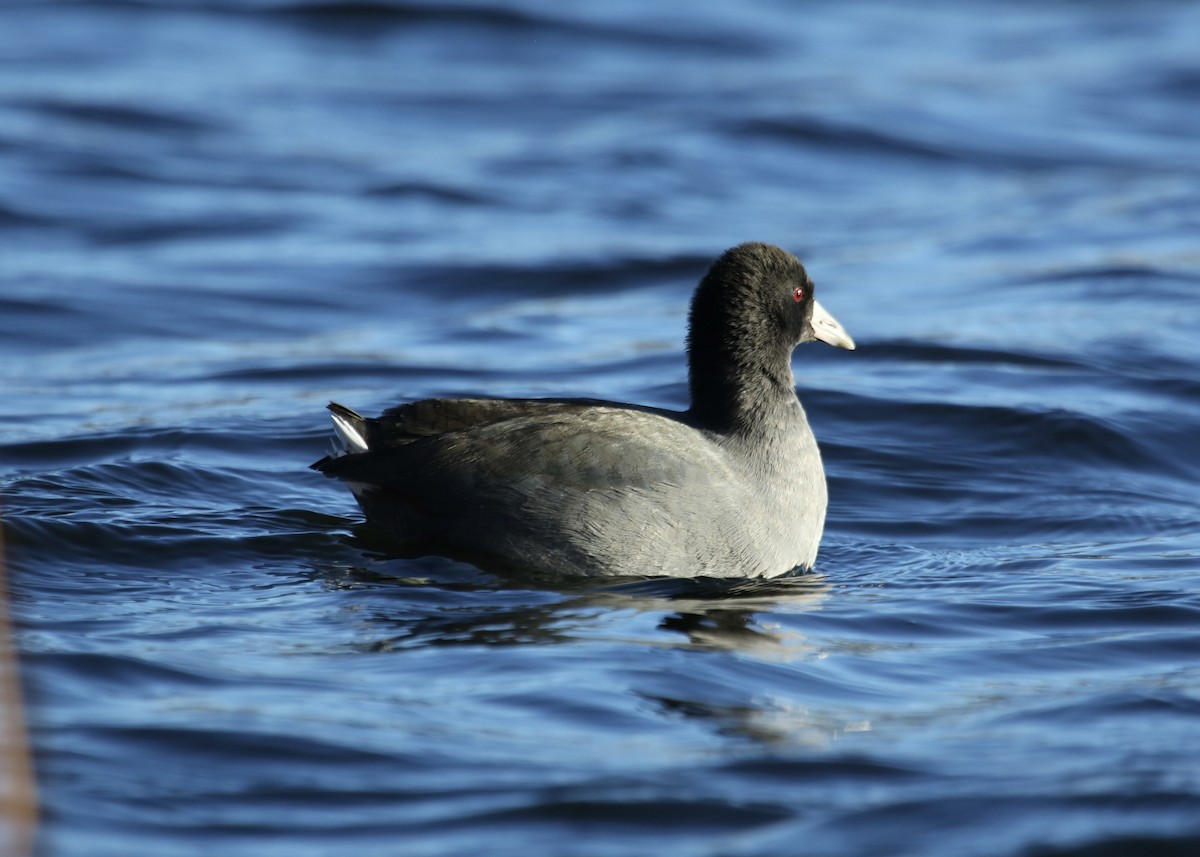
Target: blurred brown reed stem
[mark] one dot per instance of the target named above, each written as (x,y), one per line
(18,789)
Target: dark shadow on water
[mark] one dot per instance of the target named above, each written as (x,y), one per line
(435,601)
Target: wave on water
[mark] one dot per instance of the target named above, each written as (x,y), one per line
(370,17)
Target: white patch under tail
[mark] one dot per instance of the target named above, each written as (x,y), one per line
(349,441)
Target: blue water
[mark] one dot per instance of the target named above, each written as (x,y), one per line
(216,215)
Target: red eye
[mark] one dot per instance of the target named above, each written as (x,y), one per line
(798,294)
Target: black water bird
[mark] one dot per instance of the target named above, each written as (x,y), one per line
(731,487)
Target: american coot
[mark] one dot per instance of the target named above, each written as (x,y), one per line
(731,487)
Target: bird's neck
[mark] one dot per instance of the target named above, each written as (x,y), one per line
(741,392)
